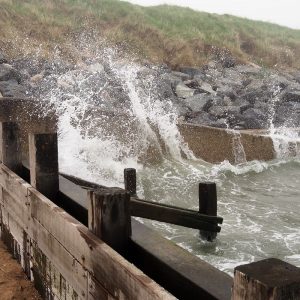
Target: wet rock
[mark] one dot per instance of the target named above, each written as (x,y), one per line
(7,72)
(199,117)
(37,78)
(254,119)
(226,91)
(242,104)
(248,69)
(225,101)
(182,76)
(224,111)
(12,88)
(205,87)
(190,71)
(228,62)
(253,96)
(95,68)
(171,79)
(220,123)
(293,96)
(199,102)
(193,84)
(263,107)
(183,91)
(2,58)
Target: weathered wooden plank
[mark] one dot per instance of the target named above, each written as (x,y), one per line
(10,146)
(13,236)
(59,260)
(60,266)
(116,275)
(13,184)
(113,271)
(19,211)
(130,181)
(172,215)
(268,279)
(43,158)
(1,196)
(109,217)
(96,290)
(208,206)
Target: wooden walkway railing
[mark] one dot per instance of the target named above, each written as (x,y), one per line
(90,256)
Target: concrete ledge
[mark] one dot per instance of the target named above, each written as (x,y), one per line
(215,145)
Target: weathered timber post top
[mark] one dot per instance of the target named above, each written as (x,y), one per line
(77,240)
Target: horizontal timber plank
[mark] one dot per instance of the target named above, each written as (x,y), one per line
(174,215)
(117,276)
(19,221)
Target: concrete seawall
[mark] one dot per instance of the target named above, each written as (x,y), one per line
(215,145)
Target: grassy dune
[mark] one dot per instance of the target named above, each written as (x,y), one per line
(169,34)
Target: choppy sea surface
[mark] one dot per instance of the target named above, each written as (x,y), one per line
(259,201)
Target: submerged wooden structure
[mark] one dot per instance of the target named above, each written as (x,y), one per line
(77,240)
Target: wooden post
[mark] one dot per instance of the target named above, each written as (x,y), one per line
(208,206)
(130,181)
(10,146)
(109,217)
(43,158)
(265,280)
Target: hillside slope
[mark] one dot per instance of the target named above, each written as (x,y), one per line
(163,34)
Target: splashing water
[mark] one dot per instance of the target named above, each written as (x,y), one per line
(286,140)
(112,116)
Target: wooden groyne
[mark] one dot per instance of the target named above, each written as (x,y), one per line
(77,240)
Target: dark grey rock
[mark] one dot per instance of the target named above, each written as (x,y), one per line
(224,111)
(227,92)
(248,69)
(172,80)
(222,101)
(205,87)
(182,76)
(3,60)
(220,123)
(293,96)
(183,91)
(236,84)
(193,84)
(190,71)
(228,62)
(199,117)
(263,107)
(242,104)
(7,72)
(198,102)
(12,88)
(254,119)
(253,96)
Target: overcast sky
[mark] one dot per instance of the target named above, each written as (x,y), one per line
(284,12)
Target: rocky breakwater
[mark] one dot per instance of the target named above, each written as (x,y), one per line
(254,105)
(221,96)
(238,97)
(10,80)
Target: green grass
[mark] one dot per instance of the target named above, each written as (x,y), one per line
(169,34)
